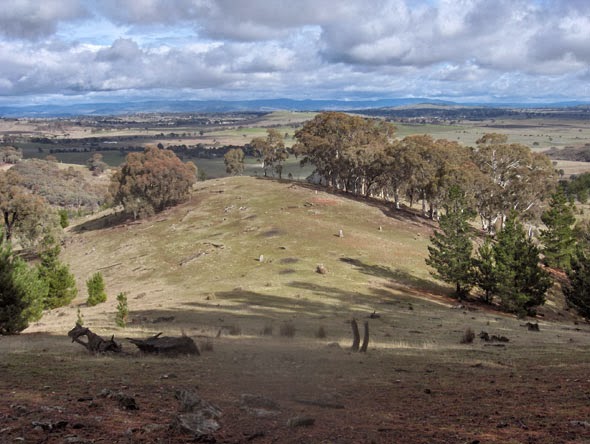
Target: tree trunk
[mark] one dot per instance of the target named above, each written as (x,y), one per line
(366,338)
(356,336)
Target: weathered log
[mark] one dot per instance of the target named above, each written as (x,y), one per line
(166,345)
(356,336)
(366,338)
(94,342)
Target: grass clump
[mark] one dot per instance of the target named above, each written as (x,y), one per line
(287,330)
(321,333)
(267,330)
(234,330)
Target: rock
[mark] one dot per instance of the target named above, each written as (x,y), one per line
(301,421)
(258,401)
(198,416)
(126,402)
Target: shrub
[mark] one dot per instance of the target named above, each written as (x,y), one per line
(468,336)
(287,329)
(96,292)
(321,333)
(64,220)
(122,310)
(79,317)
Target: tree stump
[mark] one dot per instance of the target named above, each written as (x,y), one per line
(166,345)
(94,342)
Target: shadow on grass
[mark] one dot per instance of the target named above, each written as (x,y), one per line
(397,275)
(107,221)
(404,214)
(265,305)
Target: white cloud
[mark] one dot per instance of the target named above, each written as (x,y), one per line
(298,49)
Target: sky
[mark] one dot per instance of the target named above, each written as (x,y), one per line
(82,51)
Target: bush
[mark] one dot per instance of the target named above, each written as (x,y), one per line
(64,220)
(96,292)
(122,310)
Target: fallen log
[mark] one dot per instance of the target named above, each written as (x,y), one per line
(94,343)
(168,345)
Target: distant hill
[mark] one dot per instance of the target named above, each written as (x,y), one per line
(184,106)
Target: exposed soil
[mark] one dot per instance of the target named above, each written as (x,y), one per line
(51,392)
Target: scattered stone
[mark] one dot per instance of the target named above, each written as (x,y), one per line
(258,401)
(198,417)
(301,421)
(532,327)
(126,402)
(49,426)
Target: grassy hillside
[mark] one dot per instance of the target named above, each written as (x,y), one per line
(197,269)
(204,256)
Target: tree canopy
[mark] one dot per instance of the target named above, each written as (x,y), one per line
(152,181)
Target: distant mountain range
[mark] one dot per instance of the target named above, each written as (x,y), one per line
(219,106)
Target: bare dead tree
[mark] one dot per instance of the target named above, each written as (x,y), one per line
(94,343)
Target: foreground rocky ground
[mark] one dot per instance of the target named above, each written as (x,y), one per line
(533,389)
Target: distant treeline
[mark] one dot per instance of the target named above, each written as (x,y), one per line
(476,113)
(575,153)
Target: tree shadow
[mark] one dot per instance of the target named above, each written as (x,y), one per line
(106,221)
(397,275)
(404,214)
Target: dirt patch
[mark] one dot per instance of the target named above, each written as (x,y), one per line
(312,393)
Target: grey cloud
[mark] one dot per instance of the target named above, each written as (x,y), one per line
(34,19)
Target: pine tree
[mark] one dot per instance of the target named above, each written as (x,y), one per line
(21,292)
(577,291)
(485,270)
(521,283)
(450,252)
(558,239)
(61,283)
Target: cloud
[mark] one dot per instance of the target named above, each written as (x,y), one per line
(34,19)
(297,48)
